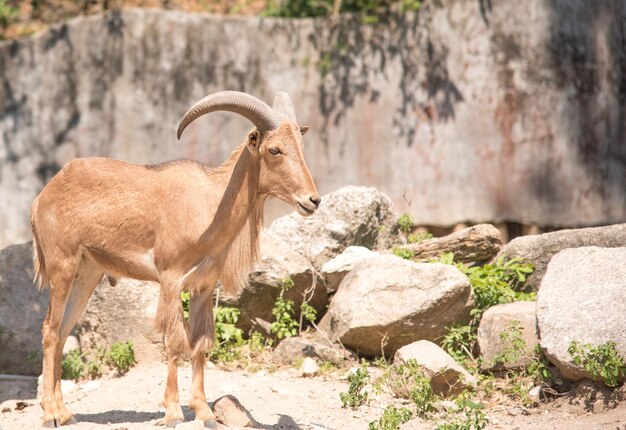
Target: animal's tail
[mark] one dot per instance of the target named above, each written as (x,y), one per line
(39,263)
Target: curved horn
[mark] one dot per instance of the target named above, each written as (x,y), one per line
(283,107)
(258,112)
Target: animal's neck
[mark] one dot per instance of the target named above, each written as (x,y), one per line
(241,203)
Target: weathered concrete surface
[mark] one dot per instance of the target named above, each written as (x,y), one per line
(475,111)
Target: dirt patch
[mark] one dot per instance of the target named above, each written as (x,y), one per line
(279,400)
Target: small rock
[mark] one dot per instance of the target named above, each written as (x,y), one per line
(447,376)
(13,405)
(191,425)
(447,405)
(229,411)
(71,344)
(296,348)
(534,394)
(309,367)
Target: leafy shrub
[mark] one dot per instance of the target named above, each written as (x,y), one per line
(419,237)
(405,223)
(407,254)
(8,14)
(285,324)
(392,419)
(469,416)
(356,395)
(122,356)
(227,335)
(513,338)
(409,380)
(185,297)
(371,9)
(72,366)
(460,342)
(602,361)
(538,369)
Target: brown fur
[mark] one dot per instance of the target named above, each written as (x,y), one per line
(180,223)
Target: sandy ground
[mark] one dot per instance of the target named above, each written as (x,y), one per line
(280,400)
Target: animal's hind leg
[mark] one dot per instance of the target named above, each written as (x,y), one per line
(61,274)
(87,279)
(201,341)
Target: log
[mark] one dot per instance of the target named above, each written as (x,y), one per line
(476,244)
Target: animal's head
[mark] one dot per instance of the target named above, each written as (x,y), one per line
(276,143)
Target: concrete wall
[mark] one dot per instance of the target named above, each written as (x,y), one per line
(469,111)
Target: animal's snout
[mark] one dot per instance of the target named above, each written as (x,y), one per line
(316,200)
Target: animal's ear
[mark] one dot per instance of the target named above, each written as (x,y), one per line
(253,139)
(304,129)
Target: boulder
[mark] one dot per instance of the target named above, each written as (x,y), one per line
(582,298)
(497,330)
(123,313)
(387,302)
(349,216)
(22,311)
(229,411)
(539,249)
(447,377)
(296,348)
(336,269)
(277,261)
(476,244)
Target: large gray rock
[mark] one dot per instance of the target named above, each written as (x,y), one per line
(336,269)
(123,313)
(277,261)
(498,327)
(22,310)
(347,217)
(391,302)
(582,298)
(539,249)
(447,377)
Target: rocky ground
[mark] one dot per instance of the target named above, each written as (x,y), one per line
(278,400)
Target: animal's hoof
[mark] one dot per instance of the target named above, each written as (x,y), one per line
(69,421)
(50,423)
(170,422)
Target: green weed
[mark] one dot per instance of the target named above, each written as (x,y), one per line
(405,223)
(419,237)
(512,336)
(72,366)
(122,357)
(409,380)
(356,395)
(391,419)
(407,254)
(602,361)
(285,324)
(227,335)
(469,416)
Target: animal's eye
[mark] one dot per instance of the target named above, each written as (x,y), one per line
(274,151)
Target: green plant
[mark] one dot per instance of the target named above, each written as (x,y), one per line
(409,380)
(407,254)
(122,357)
(285,324)
(460,342)
(185,297)
(498,283)
(419,236)
(405,223)
(8,14)
(370,9)
(512,336)
(356,395)
(602,361)
(391,419)
(72,366)
(538,369)
(227,335)
(308,312)
(469,416)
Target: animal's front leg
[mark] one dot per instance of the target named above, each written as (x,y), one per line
(171,401)
(201,340)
